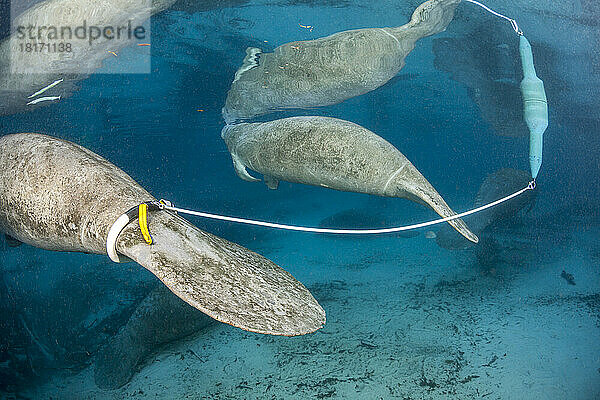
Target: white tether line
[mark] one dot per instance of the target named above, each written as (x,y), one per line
(512,21)
(530,186)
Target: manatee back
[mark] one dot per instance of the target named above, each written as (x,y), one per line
(60,196)
(331,69)
(318,72)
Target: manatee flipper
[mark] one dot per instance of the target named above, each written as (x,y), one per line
(495,186)
(437,204)
(12,242)
(160,318)
(250,61)
(224,280)
(271,182)
(241,171)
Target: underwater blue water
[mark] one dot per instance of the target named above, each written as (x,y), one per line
(406,318)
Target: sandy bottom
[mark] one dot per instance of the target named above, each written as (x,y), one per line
(406,320)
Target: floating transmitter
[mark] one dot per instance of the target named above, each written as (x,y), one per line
(535,106)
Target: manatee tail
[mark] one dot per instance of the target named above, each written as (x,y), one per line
(429,18)
(437,203)
(222,279)
(420,190)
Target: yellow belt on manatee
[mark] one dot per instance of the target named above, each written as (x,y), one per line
(143,220)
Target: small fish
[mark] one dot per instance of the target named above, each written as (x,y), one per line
(430,235)
(39,100)
(407,234)
(368,345)
(306,27)
(143,44)
(50,86)
(568,277)
(113,53)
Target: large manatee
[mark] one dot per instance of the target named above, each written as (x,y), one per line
(59,196)
(329,70)
(332,153)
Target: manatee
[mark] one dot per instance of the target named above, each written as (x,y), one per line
(490,69)
(159,319)
(331,153)
(329,70)
(495,186)
(59,196)
(37,69)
